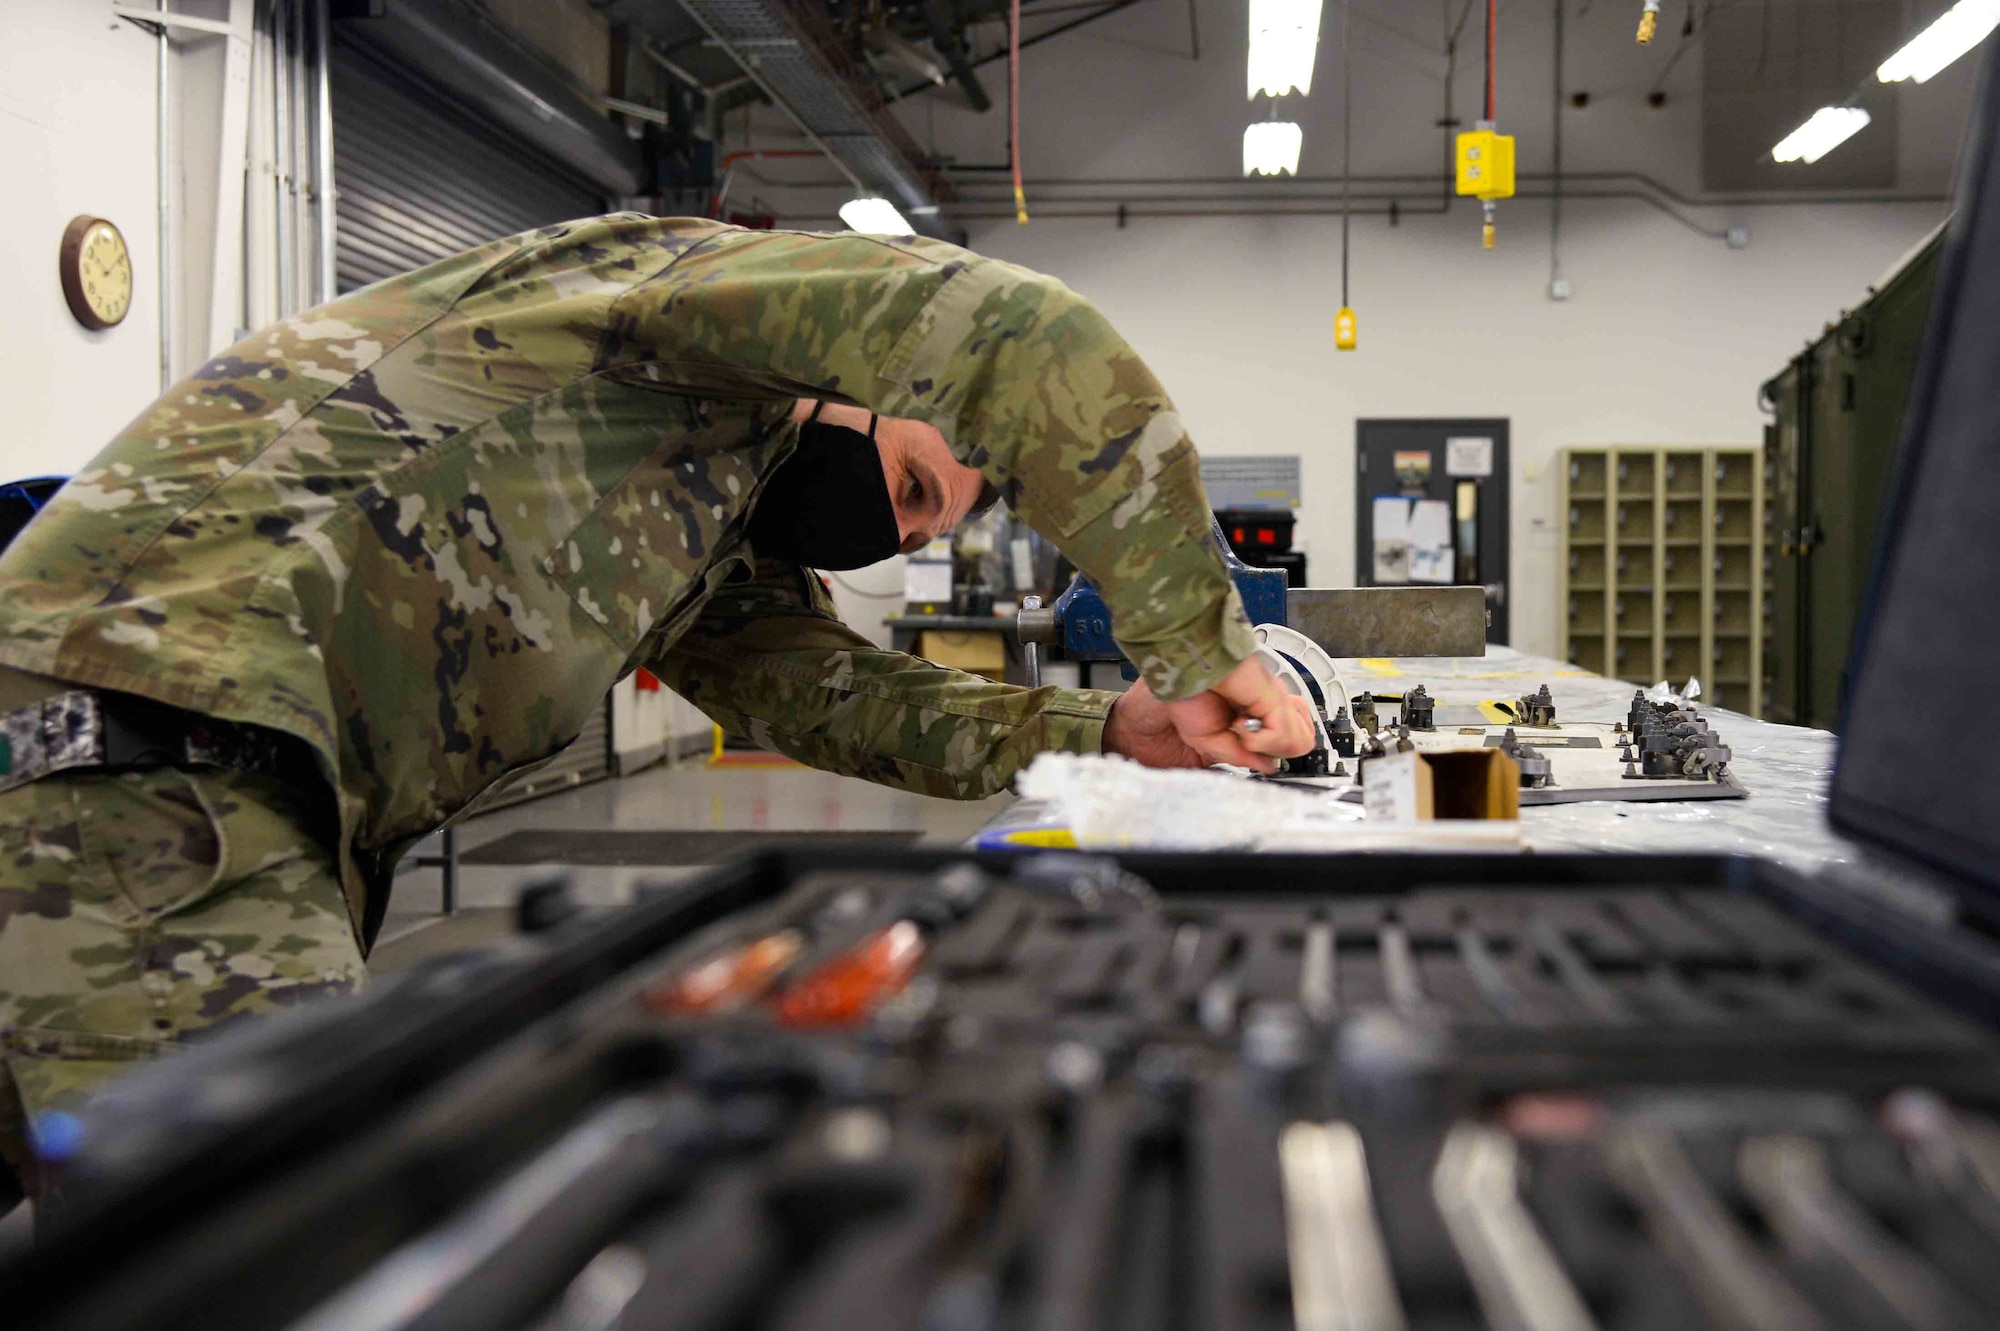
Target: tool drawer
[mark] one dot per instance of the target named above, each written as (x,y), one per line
(928,1091)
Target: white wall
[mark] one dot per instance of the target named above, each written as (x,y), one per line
(1665,340)
(865,597)
(76,136)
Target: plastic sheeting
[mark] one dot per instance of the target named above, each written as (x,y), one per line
(1787,770)
(1112,803)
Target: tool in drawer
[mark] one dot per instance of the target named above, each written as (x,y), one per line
(1085,1103)
(1738,1285)
(1339,1269)
(1787,1175)
(1520,1283)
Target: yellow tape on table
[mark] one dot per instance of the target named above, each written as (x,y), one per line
(1043,838)
(1028,838)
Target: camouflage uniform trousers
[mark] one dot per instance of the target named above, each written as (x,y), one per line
(139,907)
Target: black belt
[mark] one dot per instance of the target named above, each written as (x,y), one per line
(84,730)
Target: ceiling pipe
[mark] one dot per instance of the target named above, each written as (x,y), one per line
(455,47)
(1119,184)
(1392,206)
(1235,188)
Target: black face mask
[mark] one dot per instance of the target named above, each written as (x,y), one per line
(827,505)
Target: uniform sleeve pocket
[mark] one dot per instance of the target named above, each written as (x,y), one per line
(633,563)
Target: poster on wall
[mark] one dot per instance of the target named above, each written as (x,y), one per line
(1430,541)
(1391,530)
(1412,540)
(1469,456)
(1261,482)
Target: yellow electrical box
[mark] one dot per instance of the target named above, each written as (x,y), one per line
(1486,164)
(1344,330)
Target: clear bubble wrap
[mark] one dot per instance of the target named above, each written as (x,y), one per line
(1110,803)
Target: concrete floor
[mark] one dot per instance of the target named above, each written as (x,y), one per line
(691,796)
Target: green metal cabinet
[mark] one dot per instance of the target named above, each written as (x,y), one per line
(1829,455)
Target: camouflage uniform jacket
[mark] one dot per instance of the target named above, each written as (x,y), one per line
(426,526)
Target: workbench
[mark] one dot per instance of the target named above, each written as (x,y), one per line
(1786,769)
(906,634)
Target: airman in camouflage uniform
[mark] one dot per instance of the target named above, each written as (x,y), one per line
(425,527)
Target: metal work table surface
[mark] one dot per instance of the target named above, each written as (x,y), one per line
(1785,768)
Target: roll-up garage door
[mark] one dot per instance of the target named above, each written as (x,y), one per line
(419,181)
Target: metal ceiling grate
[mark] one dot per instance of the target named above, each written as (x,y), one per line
(787,50)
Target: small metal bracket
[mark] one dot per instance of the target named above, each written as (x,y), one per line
(635,110)
(156,19)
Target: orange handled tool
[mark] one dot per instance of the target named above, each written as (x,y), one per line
(729,979)
(852,984)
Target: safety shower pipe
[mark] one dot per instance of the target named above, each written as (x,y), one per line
(325,202)
(281,155)
(163,151)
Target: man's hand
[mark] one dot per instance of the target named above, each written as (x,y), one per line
(1207,728)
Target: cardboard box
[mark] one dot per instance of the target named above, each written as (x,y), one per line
(980,651)
(1469,783)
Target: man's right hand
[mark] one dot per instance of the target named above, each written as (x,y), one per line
(1207,728)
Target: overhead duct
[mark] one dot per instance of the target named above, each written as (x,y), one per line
(792,55)
(453,46)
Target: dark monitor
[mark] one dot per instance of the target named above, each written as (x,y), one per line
(1919,768)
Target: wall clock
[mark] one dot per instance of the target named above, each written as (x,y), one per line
(96,272)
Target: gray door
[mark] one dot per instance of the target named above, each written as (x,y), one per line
(1461,464)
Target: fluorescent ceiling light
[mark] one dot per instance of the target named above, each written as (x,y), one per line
(1284,34)
(1956,31)
(875,217)
(1829,127)
(1271,148)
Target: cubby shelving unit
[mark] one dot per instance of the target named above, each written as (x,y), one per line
(1661,574)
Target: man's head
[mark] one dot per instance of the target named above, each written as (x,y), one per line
(931,490)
